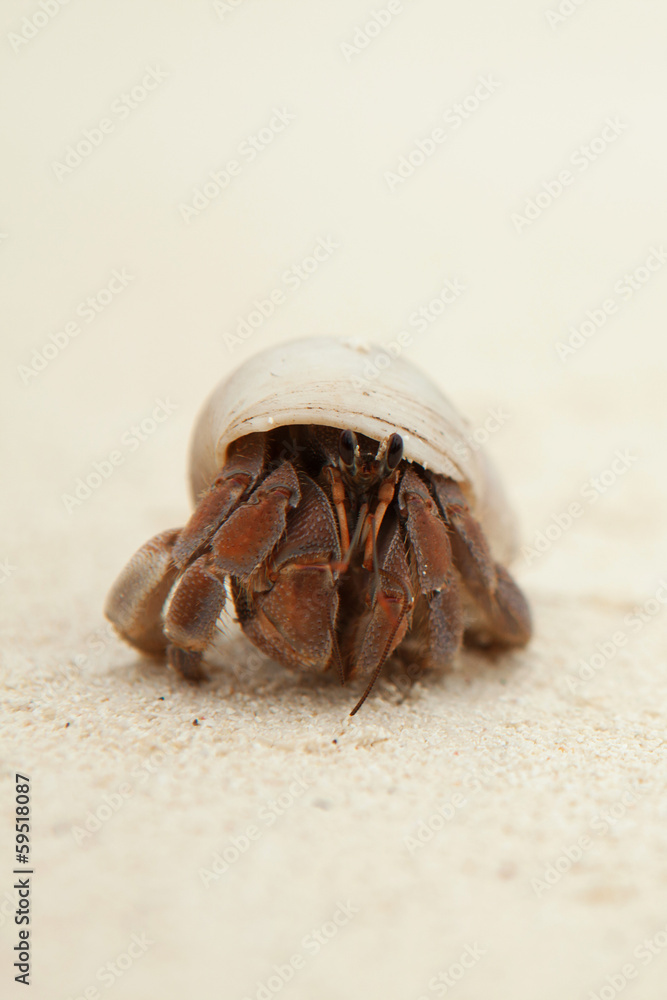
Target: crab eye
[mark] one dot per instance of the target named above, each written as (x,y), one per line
(346,448)
(394,451)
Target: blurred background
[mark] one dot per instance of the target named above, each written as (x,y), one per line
(355,102)
(168,166)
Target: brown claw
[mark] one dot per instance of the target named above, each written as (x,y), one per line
(194,606)
(248,535)
(238,476)
(294,619)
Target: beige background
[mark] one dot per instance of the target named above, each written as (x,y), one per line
(539,756)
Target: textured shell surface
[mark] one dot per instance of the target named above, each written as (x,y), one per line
(325,381)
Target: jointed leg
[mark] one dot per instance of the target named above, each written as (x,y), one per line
(238,547)
(242,542)
(386,623)
(441,622)
(502,605)
(240,473)
(191,615)
(135,602)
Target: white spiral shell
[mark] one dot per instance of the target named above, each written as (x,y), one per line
(325,381)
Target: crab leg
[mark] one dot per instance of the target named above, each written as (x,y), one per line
(503,606)
(136,600)
(430,544)
(191,615)
(390,615)
(242,542)
(134,604)
(239,546)
(237,477)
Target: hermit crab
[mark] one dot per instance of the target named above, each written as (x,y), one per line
(344,509)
